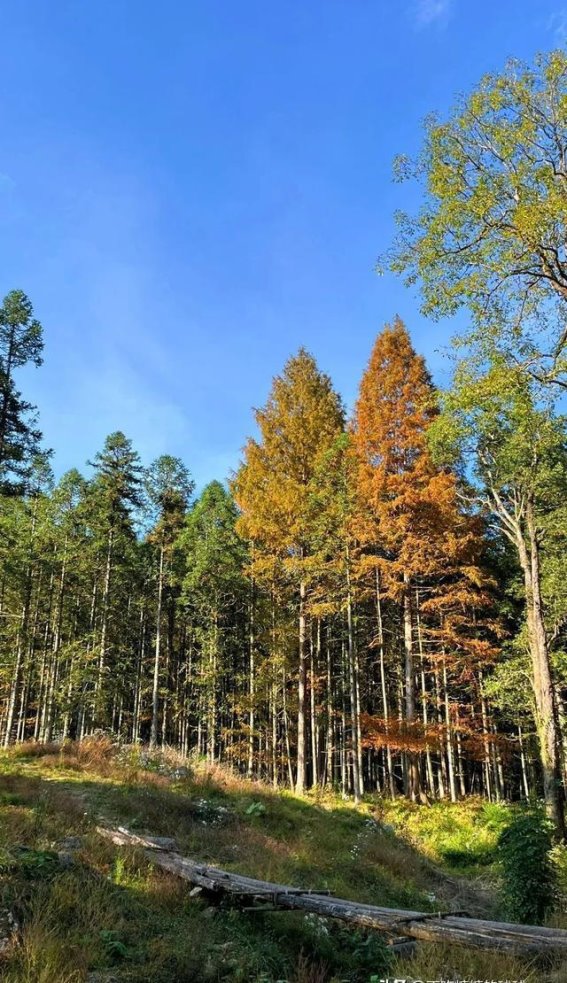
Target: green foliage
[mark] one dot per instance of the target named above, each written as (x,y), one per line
(214,552)
(367,951)
(490,233)
(118,479)
(21,343)
(255,809)
(462,836)
(524,848)
(38,863)
(113,947)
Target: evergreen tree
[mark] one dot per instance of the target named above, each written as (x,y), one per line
(215,593)
(168,487)
(112,496)
(21,343)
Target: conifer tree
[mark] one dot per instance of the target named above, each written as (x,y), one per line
(21,343)
(410,520)
(215,593)
(113,494)
(299,423)
(169,487)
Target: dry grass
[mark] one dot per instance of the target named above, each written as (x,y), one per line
(114,911)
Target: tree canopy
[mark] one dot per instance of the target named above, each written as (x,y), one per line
(490,236)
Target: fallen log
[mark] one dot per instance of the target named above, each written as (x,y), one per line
(452,927)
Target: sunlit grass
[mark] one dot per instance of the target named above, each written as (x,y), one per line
(111,910)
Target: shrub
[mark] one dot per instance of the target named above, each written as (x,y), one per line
(524,849)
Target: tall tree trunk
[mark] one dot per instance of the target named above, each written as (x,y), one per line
(313,714)
(424,715)
(329,730)
(385,708)
(22,634)
(354,722)
(525,783)
(413,789)
(104,627)
(449,737)
(157,653)
(251,680)
(486,742)
(301,691)
(547,723)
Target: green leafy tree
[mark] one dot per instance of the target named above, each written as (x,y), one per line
(492,231)
(517,449)
(529,878)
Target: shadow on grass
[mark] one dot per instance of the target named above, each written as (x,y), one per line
(255,831)
(113,910)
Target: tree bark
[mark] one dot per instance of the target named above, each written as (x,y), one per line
(301,690)
(547,722)
(157,654)
(413,789)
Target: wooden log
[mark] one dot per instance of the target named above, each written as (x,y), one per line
(531,940)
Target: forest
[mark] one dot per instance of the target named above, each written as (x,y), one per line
(374,601)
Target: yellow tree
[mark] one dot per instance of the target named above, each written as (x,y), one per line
(274,488)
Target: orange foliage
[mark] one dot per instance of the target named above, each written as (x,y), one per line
(415,736)
(409,521)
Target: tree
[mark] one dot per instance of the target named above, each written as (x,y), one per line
(301,420)
(332,544)
(169,487)
(114,493)
(491,235)
(495,417)
(29,517)
(418,540)
(21,343)
(215,593)
(392,413)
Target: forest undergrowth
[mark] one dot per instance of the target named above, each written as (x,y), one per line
(83,910)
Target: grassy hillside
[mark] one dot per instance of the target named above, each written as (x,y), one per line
(90,911)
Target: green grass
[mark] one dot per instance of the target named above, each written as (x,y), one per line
(112,913)
(462,836)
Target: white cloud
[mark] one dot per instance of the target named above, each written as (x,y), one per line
(557,24)
(428,12)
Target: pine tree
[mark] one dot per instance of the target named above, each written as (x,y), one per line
(168,487)
(113,494)
(20,344)
(215,594)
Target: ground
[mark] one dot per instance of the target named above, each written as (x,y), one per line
(89,911)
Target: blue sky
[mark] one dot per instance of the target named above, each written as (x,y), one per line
(189,191)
